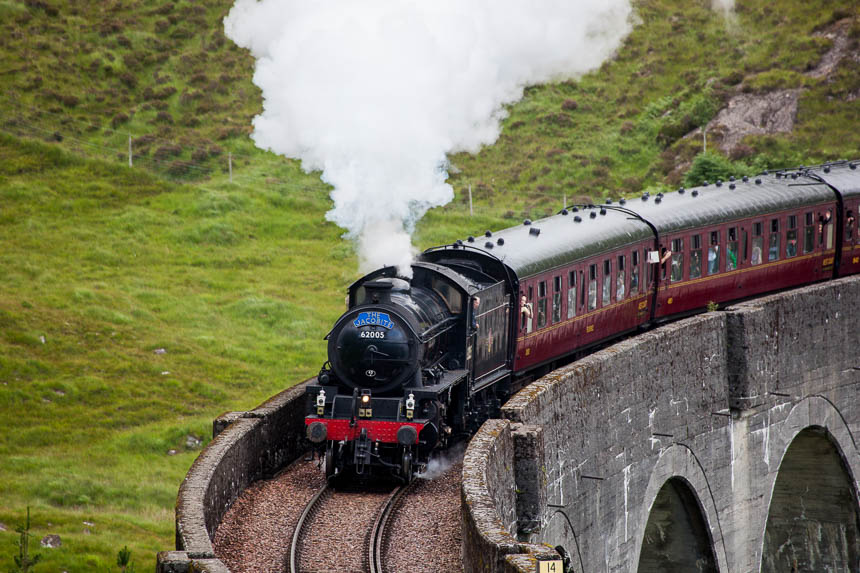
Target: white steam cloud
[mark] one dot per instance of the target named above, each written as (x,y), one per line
(376,93)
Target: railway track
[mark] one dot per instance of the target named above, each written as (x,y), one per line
(363,514)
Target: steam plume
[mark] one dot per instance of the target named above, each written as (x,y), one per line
(375,93)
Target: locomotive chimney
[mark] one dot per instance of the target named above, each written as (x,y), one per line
(378,292)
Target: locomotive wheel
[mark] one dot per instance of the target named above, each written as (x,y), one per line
(406,466)
(330,466)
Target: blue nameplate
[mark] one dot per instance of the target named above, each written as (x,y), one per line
(373,319)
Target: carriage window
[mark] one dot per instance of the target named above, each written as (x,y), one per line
(607,283)
(571,294)
(828,229)
(677,260)
(732,249)
(556,299)
(757,244)
(791,243)
(619,280)
(809,235)
(592,287)
(714,253)
(650,270)
(773,243)
(634,274)
(541,305)
(849,225)
(696,257)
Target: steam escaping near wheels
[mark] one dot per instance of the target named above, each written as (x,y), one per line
(375,94)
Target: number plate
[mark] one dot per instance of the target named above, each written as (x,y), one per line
(372,334)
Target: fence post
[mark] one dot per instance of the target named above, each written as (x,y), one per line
(470,200)
(129,151)
(230,164)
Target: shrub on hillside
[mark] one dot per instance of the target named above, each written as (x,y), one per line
(710,167)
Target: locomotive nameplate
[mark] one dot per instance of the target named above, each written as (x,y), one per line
(554,566)
(373,319)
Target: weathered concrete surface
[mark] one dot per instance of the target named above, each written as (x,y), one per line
(246,446)
(714,403)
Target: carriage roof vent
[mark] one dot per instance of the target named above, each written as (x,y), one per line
(577,219)
(534,231)
(527,222)
(592,215)
(488,245)
(622,201)
(488,233)
(500,241)
(471,239)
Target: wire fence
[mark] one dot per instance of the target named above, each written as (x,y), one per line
(168,158)
(178,161)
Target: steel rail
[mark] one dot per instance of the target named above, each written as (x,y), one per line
(312,505)
(378,533)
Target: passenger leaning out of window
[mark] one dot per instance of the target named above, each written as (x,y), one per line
(525,310)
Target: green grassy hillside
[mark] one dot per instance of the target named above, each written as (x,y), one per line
(137,304)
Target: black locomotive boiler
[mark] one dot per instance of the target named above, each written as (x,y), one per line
(415,363)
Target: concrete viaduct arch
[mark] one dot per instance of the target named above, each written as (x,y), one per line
(714,406)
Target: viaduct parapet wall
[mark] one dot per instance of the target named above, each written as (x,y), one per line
(247,446)
(724,442)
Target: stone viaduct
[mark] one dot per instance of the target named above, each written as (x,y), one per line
(724,442)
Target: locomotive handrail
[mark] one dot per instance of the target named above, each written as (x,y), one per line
(448,321)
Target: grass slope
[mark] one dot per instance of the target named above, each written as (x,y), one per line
(103,265)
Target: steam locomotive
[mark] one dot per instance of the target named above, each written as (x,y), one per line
(415,363)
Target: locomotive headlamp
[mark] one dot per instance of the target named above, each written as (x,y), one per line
(410,406)
(321,403)
(364,408)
